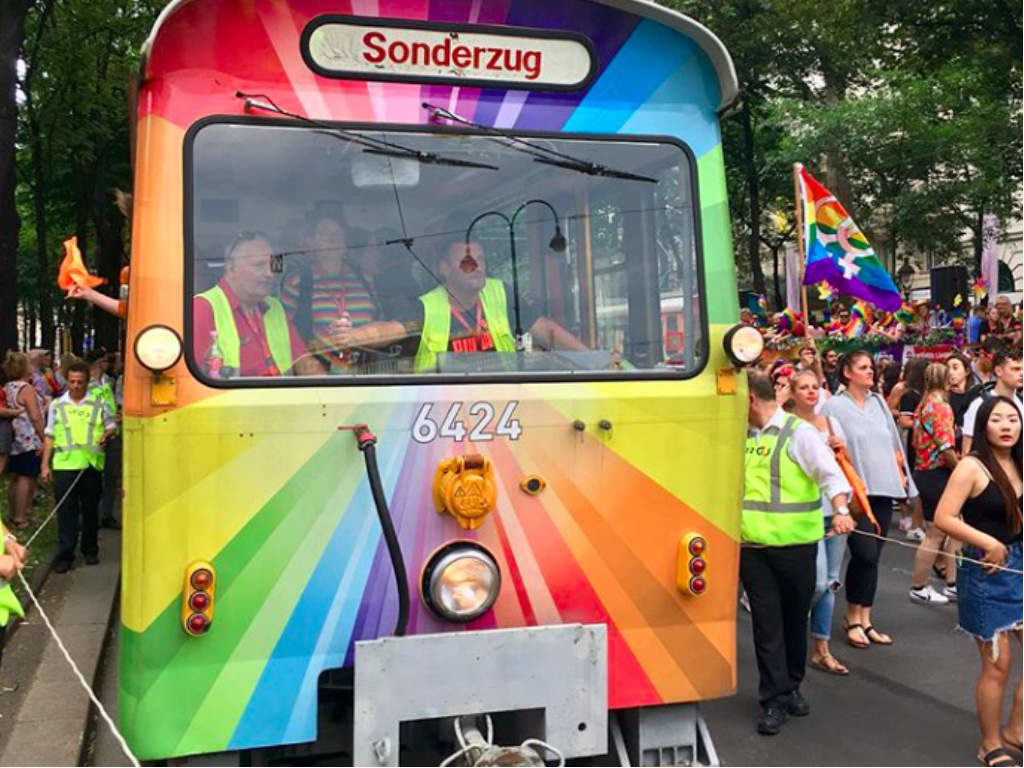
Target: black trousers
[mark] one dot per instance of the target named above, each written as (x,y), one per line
(862,572)
(780,583)
(80,511)
(111,479)
(3,631)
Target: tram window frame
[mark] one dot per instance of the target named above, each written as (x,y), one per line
(701,348)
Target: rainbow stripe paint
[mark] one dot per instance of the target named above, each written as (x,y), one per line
(837,250)
(262,484)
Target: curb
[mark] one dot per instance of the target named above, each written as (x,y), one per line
(39,577)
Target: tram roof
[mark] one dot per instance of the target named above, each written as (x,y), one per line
(704,37)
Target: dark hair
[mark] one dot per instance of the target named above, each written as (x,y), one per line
(761,386)
(982,450)
(847,361)
(913,374)
(892,375)
(991,345)
(77,367)
(1004,354)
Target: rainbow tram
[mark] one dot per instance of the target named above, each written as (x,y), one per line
(433,417)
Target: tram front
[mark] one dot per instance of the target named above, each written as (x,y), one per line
(496,234)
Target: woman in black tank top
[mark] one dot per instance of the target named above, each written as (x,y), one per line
(982,508)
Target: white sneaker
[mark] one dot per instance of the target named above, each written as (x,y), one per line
(915,534)
(745,601)
(928,595)
(950,593)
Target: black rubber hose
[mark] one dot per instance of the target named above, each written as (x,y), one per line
(390,537)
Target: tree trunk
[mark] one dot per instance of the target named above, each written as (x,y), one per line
(109,257)
(12,32)
(44,291)
(754,200)
(775,277)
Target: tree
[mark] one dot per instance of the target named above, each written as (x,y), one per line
(12,30)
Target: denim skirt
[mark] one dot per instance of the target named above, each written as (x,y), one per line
(990,603)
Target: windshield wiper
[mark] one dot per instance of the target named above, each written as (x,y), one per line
(539,152)
(371,144)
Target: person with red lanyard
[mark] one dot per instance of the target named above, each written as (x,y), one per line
(468,313)
(239,329)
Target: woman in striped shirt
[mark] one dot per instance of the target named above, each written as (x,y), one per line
(326,295)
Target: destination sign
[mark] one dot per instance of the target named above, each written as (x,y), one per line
(388,49)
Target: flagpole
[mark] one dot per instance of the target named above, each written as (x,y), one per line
(797,167)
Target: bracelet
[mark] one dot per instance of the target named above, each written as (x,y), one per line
(10,537)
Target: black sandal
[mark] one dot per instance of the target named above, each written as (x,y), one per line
(998,757)
(847,627)
(867,633)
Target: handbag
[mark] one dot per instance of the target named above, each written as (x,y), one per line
(860,507)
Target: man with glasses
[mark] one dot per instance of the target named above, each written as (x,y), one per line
(239,329)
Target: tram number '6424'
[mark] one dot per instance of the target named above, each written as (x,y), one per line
(480,416)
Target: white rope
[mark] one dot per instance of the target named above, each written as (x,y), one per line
(81,678)
(961,557)
(53,511)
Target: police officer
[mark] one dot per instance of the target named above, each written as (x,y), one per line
(788,468)
(78,425)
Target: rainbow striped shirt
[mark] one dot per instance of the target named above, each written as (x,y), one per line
(331,296)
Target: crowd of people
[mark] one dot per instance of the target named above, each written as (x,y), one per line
(934,442)
(60,422)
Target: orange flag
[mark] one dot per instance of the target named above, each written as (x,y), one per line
(73,270)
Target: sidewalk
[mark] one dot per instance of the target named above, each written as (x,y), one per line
(49,724)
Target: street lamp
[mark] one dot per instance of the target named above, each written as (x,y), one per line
(905,276)
(556,244)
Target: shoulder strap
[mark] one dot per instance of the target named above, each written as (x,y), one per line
(981,464)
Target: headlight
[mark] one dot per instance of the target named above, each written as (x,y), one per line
(158,347)
(743,344)
(460,581)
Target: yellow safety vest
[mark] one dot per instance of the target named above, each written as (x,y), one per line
(275,326)
(437,321)
(77,430)
(8,601)
(781,502)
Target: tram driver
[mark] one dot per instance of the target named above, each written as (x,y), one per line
(239,329)
(466,313)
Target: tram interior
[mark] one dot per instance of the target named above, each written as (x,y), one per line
(624,281)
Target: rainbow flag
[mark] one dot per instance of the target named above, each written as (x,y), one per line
(837,250)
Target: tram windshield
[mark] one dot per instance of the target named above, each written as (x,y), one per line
(310,255)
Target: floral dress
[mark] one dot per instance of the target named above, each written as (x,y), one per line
(25,436)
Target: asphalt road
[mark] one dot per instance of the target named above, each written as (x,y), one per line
(909,704)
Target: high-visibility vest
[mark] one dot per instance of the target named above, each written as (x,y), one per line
(275,326)
(8,601)
(77,431)
(781,502)
(437,321)
(104,393)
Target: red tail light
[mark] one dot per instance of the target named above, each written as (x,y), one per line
(692,564)
(197,598)
(197,624)
(697,585)
(697,546)
(697,565)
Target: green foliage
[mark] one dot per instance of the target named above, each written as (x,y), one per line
(910,111)
(73,144)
